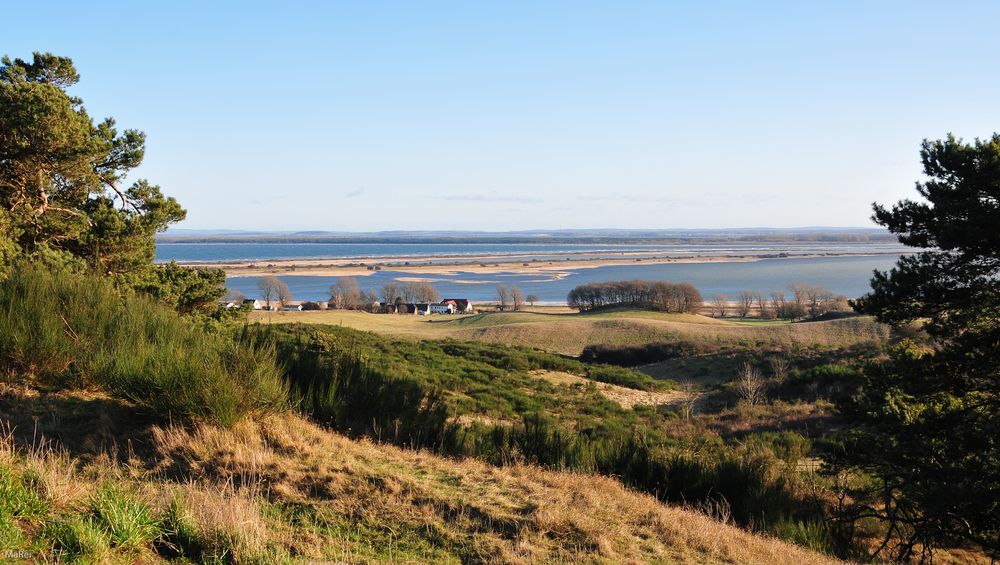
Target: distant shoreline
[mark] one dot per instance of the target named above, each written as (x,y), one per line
(479,264)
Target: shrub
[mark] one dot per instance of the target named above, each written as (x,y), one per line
(829,381)
(70,330)
(624,377)
(630,356)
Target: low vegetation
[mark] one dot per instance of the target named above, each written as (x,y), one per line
(483,401)
(569,333)
(281,489)
(59,330)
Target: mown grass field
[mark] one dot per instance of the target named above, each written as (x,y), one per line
(569,333)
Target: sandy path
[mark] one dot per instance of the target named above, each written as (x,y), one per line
(626,397)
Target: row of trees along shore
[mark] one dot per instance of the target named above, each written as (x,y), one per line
(802,301)
(660,295)
(346,294)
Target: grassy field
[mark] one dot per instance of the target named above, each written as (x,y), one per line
(280,489)
(562,331)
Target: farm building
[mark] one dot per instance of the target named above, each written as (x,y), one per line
(461,305)
(450,306)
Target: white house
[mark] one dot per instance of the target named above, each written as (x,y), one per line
(442,309)
(255,304)
(460,305)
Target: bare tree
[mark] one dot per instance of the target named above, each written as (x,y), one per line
(345,294)
(268,286)
(283,294)
(503,297)
(761,305)
(531,299)
(744,303)
(778,308)
(390,292)
(719,304)
(427,293)
(516,298)
(819,300)
(419,292)
(408,292)
(235,296)
(750,385)
(797,309)
(369,300)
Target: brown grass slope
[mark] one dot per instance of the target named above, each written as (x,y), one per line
(282,489)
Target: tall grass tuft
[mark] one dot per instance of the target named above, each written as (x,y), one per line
(77,539)
(127,521)
(65,330)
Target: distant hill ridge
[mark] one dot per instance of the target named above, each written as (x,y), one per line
(665,236)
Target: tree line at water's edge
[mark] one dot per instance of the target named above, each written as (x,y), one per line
(83,305)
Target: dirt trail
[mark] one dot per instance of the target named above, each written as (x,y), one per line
(626,397)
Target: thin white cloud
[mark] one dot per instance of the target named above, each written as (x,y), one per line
(492,197)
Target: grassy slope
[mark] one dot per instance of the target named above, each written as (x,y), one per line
(568,333)
(281,489)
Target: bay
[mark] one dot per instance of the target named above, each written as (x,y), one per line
(847,275)
(428,252)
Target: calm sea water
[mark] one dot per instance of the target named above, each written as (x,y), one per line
(217,252)
(843,275)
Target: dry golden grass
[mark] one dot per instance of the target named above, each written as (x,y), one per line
(625,397)
(282,489)
(502,515)
(568,333)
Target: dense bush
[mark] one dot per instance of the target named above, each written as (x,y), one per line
(827,381)
(67,330)
(631,356)
(625,377)
(659,295)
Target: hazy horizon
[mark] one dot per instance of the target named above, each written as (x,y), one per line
(751,230)
(405,117)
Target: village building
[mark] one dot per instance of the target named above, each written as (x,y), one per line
(442,309)
(461,305)
(450,306)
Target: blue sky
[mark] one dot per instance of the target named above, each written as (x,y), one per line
(516,115)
